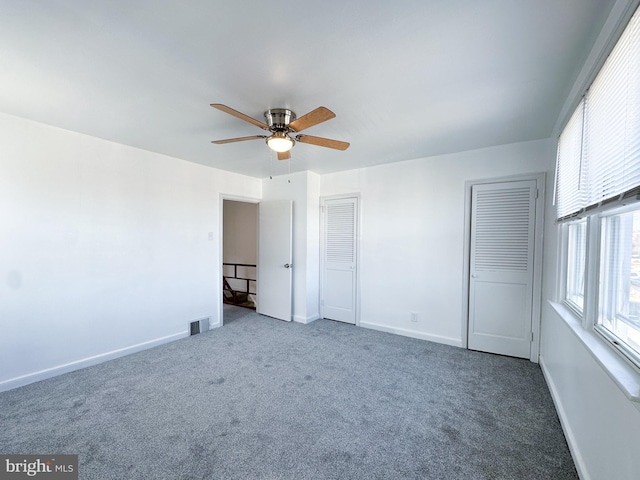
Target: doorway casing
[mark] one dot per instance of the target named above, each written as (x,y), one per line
(218,281)
(323,217)
(540,179)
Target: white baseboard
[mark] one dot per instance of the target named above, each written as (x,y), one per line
(85,362)
(305,320)
(455,342)
(566,428)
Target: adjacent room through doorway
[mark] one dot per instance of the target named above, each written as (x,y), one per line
(239,254)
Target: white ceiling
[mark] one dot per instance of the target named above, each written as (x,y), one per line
(406,78)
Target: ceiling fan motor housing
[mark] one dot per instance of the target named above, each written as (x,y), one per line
(278,119)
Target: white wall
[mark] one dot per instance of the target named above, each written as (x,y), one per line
(312,280)
(601,424)
(240,232)
(412,234)
(104,249)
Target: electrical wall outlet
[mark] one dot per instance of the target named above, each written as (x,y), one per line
(414,316)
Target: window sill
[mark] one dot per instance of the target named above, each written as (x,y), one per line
(621,372)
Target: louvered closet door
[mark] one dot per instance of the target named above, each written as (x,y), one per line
(339,258)
(501,270)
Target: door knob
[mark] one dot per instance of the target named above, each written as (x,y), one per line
(287,265)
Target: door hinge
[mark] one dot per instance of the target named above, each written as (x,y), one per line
(537,192)
(532,336)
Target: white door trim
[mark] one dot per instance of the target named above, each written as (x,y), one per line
(540,179)
(218,279)
(322,248)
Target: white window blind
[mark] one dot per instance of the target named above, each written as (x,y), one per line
(599,149)
(570,188)
(612,130)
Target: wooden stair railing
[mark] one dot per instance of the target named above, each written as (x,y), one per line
(236,296)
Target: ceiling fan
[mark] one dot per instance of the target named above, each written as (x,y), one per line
(283,123)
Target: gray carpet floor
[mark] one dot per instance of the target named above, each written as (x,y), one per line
(264,399)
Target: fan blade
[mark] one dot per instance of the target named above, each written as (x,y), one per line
(323,142)
(239,139)
(240,115)
(319,115)
(284,155)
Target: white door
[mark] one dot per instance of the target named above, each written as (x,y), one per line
(339,259)
(274,259)
(501,269)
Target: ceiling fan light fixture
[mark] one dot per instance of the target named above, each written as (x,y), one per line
(282,123)
(280,142)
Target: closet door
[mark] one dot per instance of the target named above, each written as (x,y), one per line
(339,259)
(501,270)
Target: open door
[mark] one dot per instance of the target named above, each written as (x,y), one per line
(275,259)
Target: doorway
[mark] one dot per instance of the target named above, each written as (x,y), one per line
(503,258)
(256,253)
(239,258)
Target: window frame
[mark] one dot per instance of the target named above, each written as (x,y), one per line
(619,344)
(569,302)
(589,315)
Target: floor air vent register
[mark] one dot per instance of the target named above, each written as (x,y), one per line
(198,326)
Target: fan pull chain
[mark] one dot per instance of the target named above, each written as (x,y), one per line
(270,154)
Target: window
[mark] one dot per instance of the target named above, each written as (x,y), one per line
(619,290)
(576,261)
(598,197)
